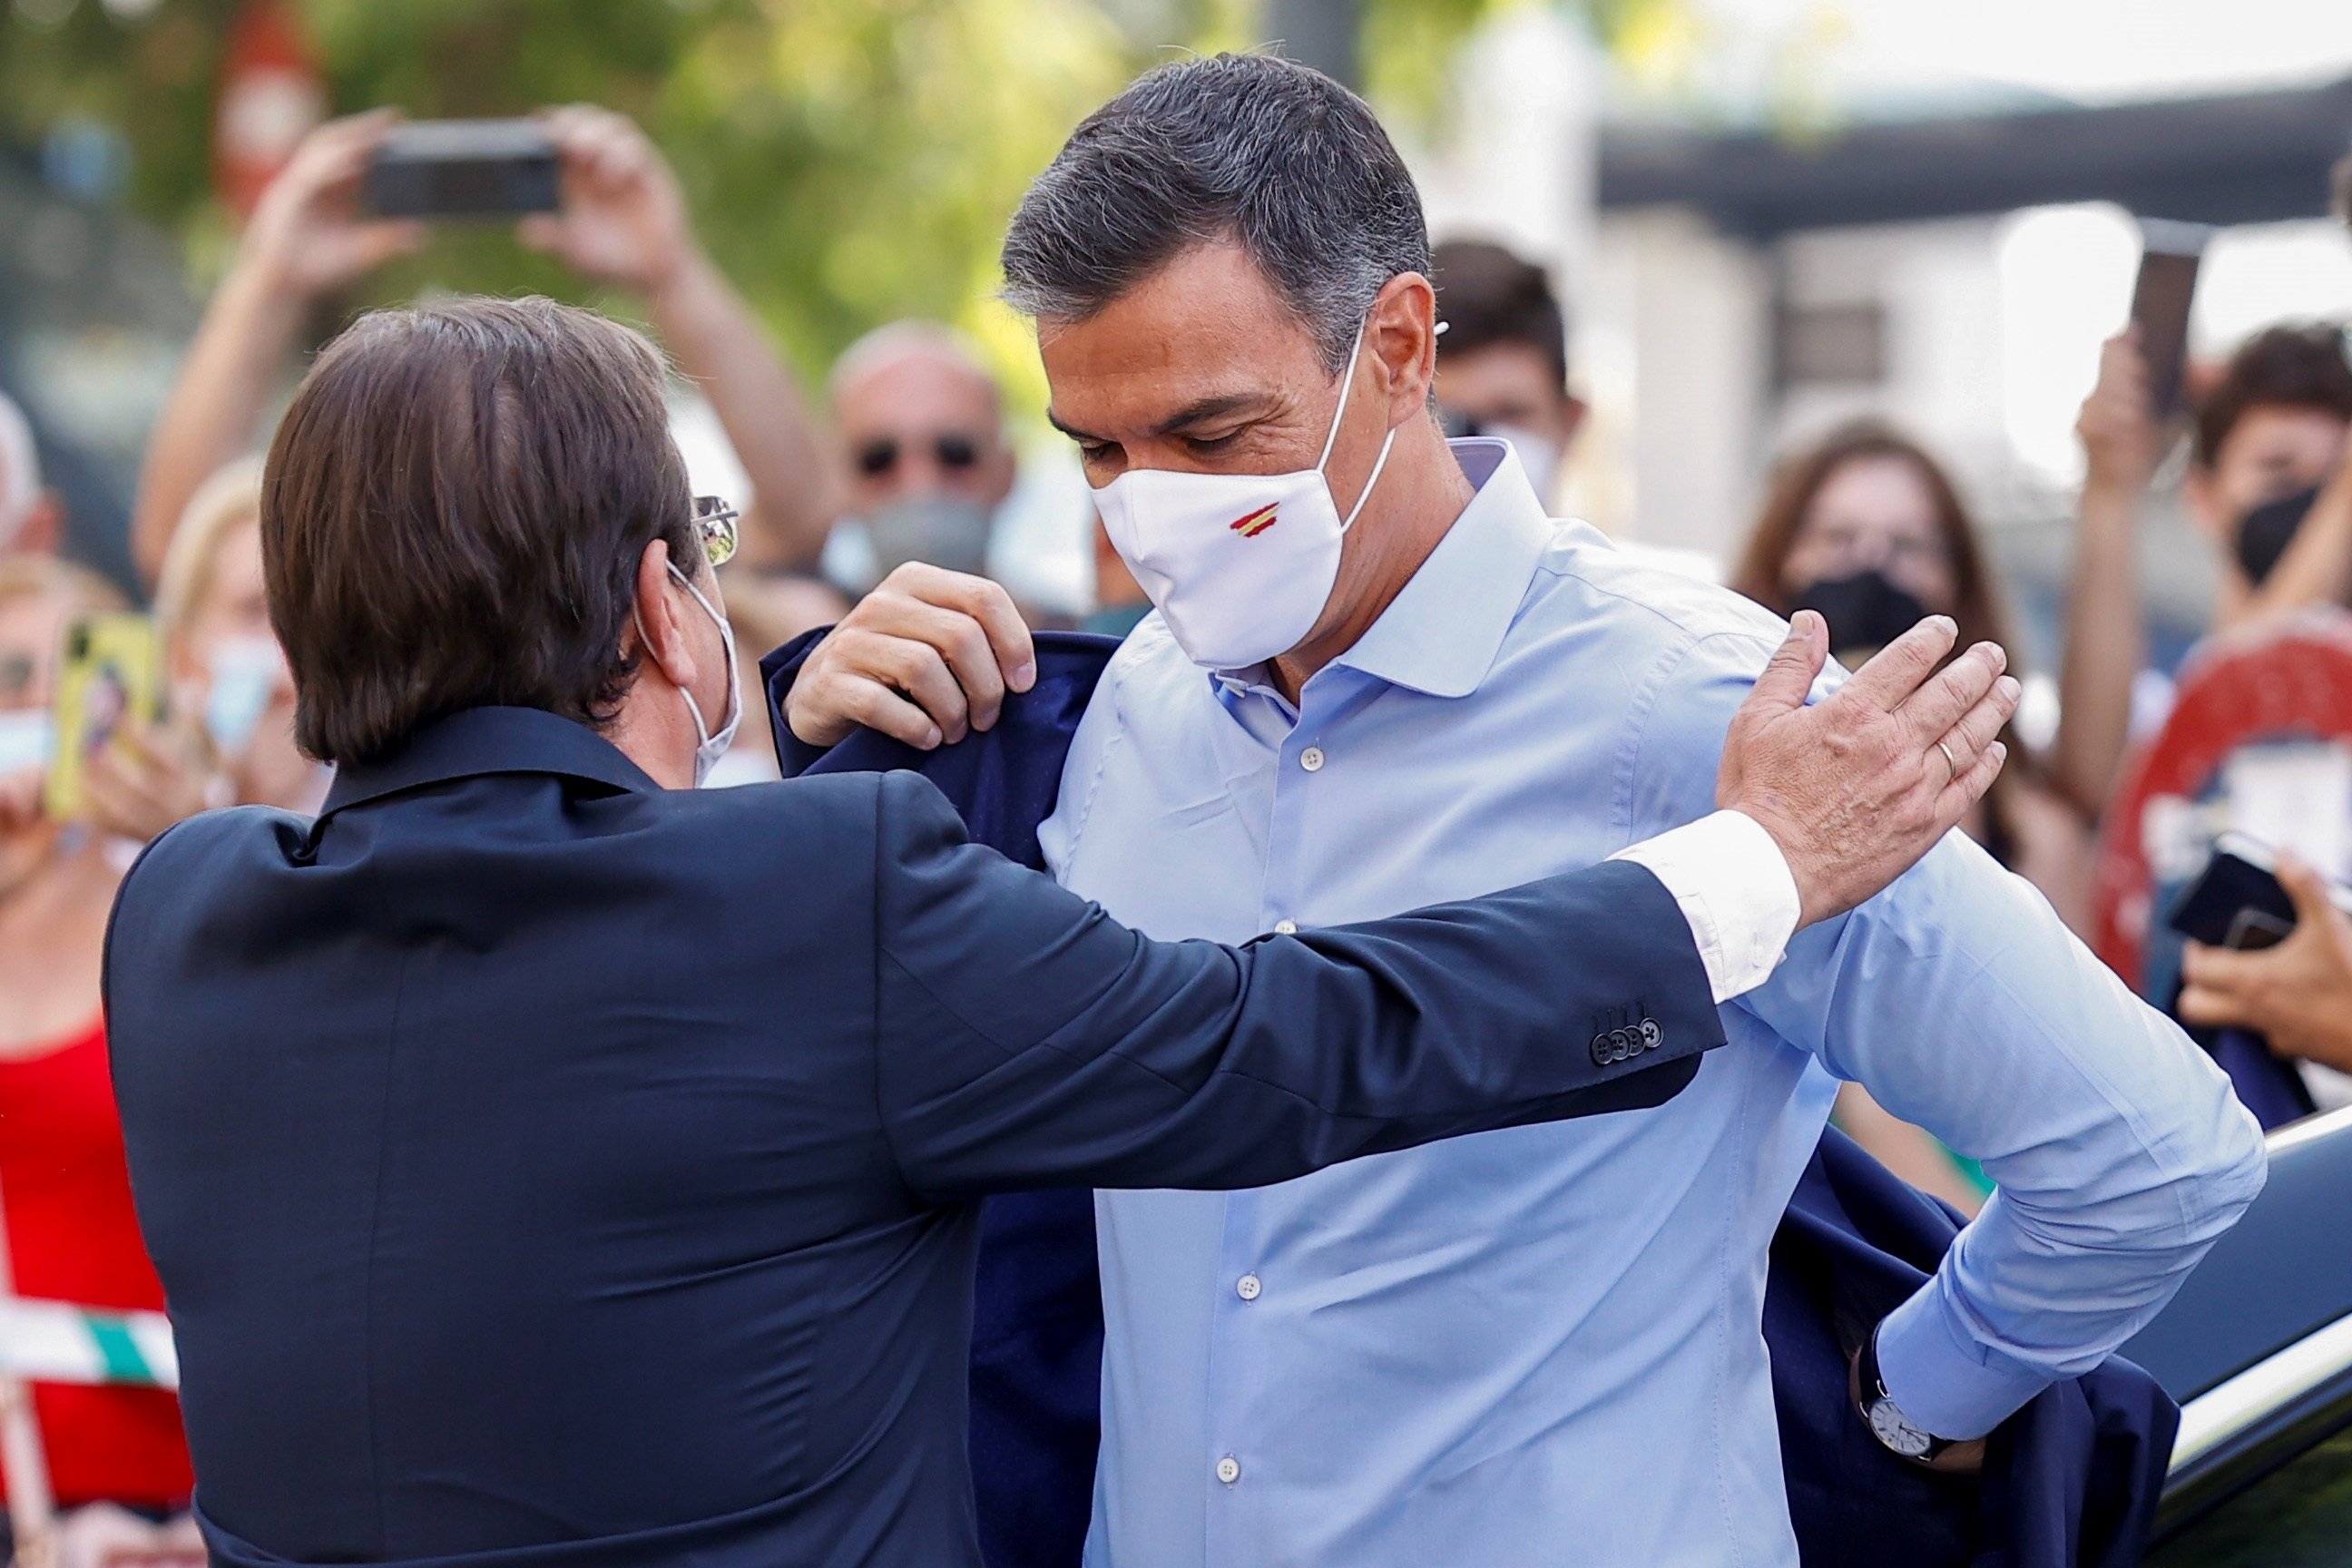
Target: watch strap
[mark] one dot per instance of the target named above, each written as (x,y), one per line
(1872,1389)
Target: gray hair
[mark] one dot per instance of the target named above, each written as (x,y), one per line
(1242,149)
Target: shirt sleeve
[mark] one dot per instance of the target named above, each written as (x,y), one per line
(1025,1039)
(1735,887)
(1964,1004)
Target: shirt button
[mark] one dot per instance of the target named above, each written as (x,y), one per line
(1285,928)
(1229,1469)
(1248,1287)
(1312,758)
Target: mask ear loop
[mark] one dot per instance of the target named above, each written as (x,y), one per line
(1346,389)
(702,730)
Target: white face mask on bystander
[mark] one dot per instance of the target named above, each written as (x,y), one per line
(1239,565)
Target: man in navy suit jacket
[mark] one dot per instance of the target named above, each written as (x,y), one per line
(546,1162)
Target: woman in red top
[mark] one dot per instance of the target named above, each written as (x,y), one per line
(65,1193)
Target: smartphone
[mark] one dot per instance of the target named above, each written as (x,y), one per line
(2169,259)
(110,671)
(2237,900)
(463,168)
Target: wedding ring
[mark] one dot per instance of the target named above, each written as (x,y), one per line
(1950,761)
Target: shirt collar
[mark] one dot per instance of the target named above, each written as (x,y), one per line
(488,740)
(1440,636)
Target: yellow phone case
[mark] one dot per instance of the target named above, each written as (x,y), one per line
(110,671)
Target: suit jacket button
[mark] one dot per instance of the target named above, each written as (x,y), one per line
(1652,1036)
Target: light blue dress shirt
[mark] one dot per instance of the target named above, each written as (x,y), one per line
(1545,1345)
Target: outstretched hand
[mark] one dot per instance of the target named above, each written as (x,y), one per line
(1857,787)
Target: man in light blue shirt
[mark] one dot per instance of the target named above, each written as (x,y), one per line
(1534,1346)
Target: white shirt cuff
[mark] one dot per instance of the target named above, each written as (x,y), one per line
(1735,888)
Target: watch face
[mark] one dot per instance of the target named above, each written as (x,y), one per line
(1898,1433)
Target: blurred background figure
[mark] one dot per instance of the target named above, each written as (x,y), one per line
(925,462)
(70,1230)
(1502,366)
(2270,427)
(28,514)
(1867,527)
(622,224)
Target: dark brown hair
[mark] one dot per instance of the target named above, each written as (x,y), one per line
(1485,295)
(2280,367)
(453,513)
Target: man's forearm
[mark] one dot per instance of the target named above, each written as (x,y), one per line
(2118,1151)
(719,344)
(2107,639)
(217,403)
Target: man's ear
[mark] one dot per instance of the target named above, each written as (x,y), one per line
(1401,339)
(657,625)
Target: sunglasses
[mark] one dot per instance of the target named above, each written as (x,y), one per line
(714,525)
(955,453)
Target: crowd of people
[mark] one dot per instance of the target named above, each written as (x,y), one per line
(907,464)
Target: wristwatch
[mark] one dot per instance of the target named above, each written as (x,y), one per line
(1895,1431)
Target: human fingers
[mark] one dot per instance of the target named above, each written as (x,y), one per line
(1976,730)
(963,643)
(2217,969)
(2202,1007)
(824,711)
(1896,670)
(1954,689)
(985,600)
(905,665)
(1789,674)
(2306,890)
(114,802)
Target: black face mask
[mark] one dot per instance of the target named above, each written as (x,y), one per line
(1865,611)
(2267,531)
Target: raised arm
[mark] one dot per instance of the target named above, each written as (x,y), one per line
(624,222)
(2106,620)
(306,240)
(1027,1040)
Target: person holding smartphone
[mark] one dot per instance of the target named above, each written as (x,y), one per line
(2272,427)
(623,221)
(115,1457)
(2296,994)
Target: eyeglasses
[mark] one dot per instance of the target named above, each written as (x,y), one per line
(714,524)
(954,452)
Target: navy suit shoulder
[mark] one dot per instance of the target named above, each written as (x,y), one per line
(541,1162)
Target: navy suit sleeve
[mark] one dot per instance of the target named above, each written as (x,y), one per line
(1025,1039)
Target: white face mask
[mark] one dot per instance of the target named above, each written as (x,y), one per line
(247,673)
(709,746)
(26,739)
(1239,565)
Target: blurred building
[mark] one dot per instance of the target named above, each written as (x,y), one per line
(1955,272)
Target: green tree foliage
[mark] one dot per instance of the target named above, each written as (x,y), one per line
(847,160)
